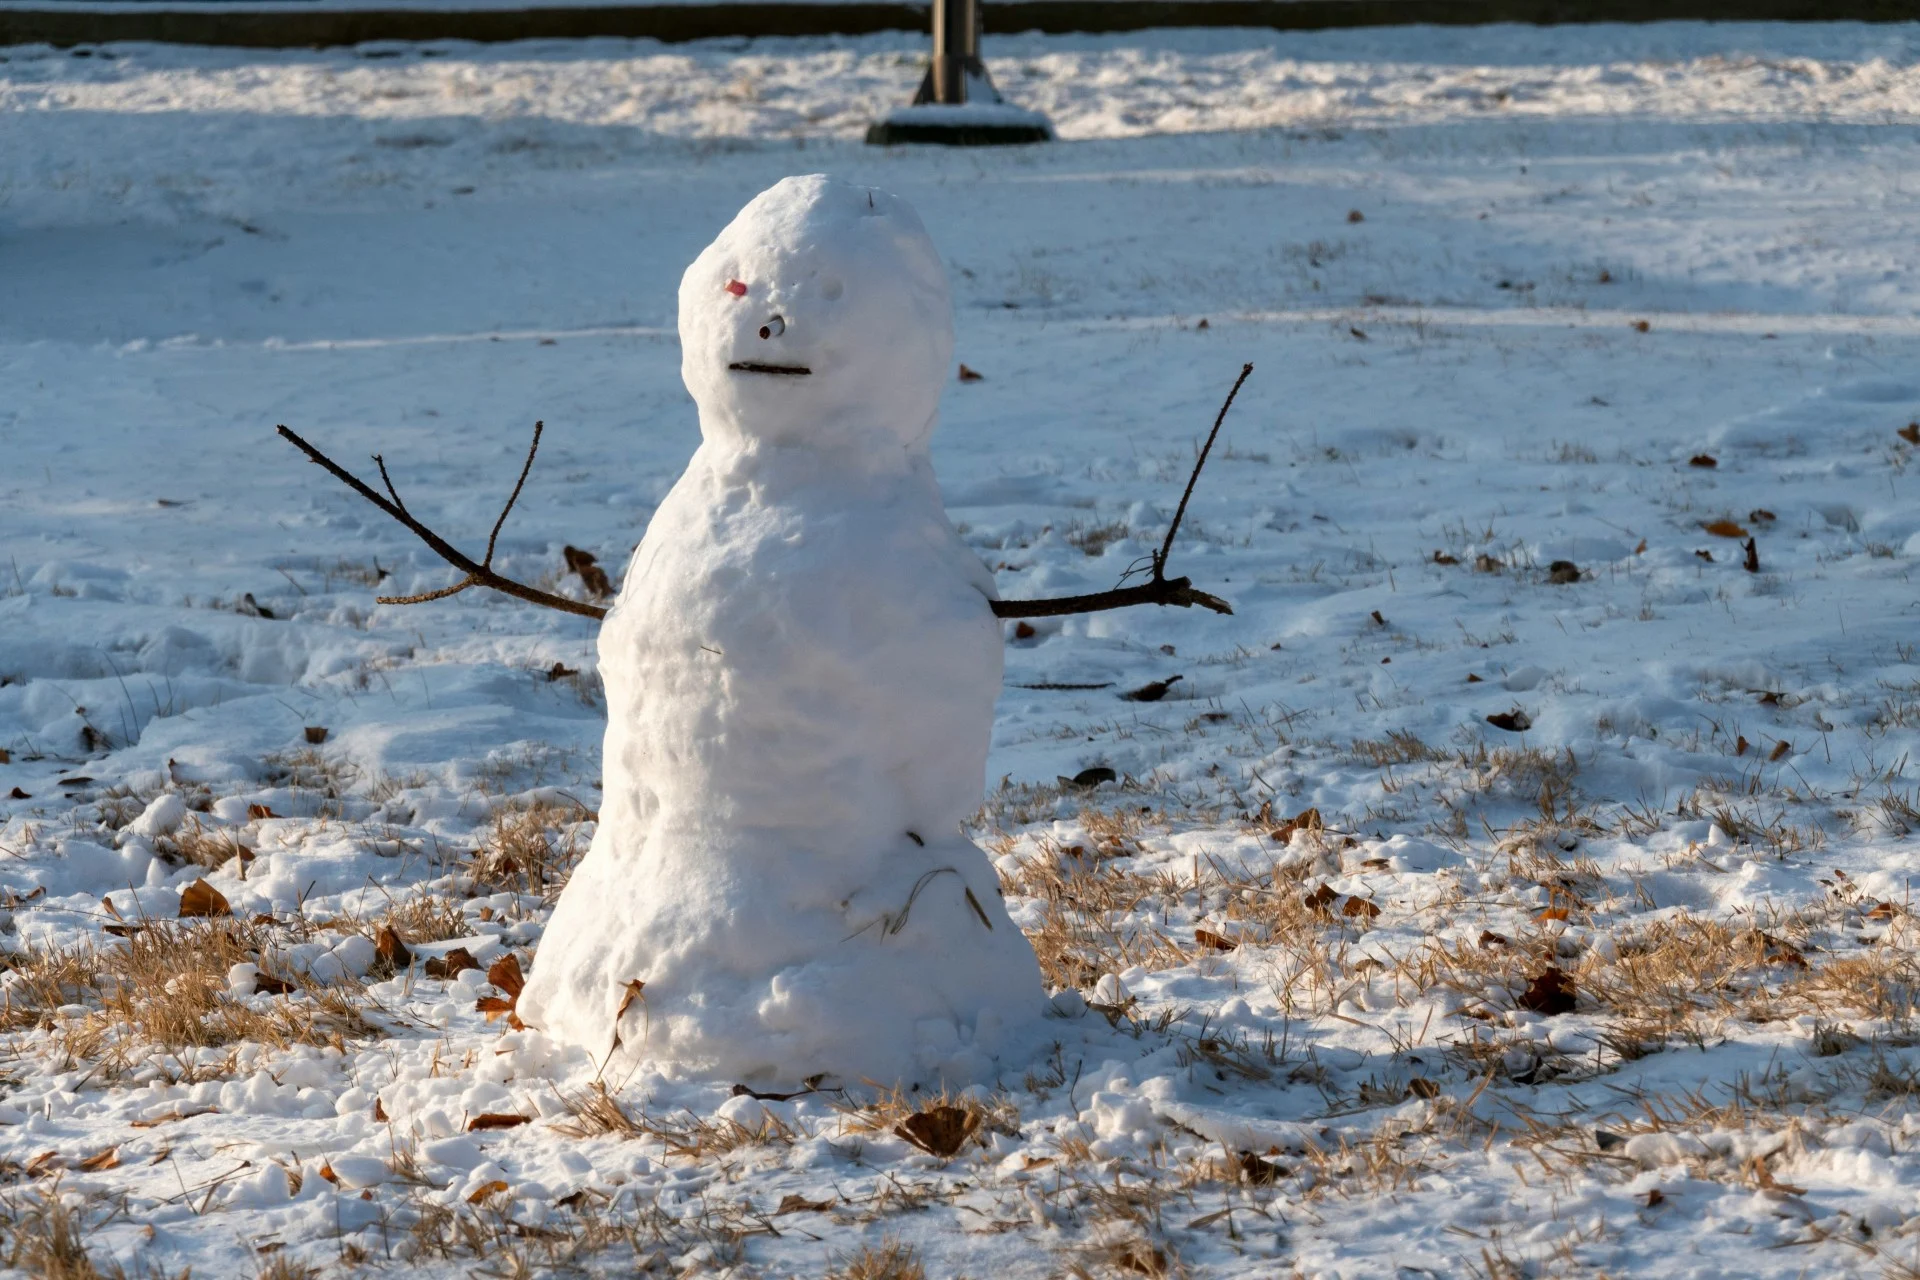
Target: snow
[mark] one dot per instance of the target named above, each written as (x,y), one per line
(800,675)
(421,255)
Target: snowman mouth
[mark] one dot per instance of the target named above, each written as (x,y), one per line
(789,370)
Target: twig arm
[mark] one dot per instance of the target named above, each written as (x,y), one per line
(1175,591)
(478,575)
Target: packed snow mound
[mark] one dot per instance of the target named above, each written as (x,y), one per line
(800,673)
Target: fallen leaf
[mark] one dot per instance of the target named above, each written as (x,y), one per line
(1883,911)
(1607,1140)
(1641,549)
(586,566)
(201,899)
(390,950)
(1024,631)
(1705,555)
(970,375)
(100,1161)
(1641,326)
(316,734)
(1152,691)
(1769,698)
(1142,1259)
(1473,679)
(1359,907)
(494,1006)
(267,984)
(1550,992)
(1724,529)
(1515,721)
(800,1204)
(1203,324)
(379,1112)
(1358,333)
(1216,941)
(1093,777)
(1305,820)
(1378,620)
(172,1117)
(18,794)
(1320,899)
(5,756)
(326,1171)
(1354,215)
(1258,1171)
(451,965)
(1753,556)
(1655,1198)
(1552,913)
(42,1163)
(1563,572)
(505,974)
(484,1190)
(1441,557)
(1703,460)
(560,671)
(257,811)
(1760,515)
(496,1120)
(1910,433)
(1780,749)
(1421,1087)
(1740,745)
(939,1131)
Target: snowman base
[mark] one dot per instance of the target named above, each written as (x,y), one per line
(969,124)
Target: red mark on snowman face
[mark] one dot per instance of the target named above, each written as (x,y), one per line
(737,288)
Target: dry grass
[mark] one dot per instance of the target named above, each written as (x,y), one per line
(164,988)
(890,1260)
(530,848)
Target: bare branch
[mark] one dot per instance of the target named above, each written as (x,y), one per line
(478,574)
(514,497)
(425,596)
(1175,591)
(1160,590)
(1179,512)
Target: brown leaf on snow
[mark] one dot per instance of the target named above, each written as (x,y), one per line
(100,1161)
(1780,748)
(172,1117)
(1421,1087)
(1740,745)
(494,1007)
(1258,1171)
(1910,433)
(316,734)
(201,899)
(1725,529)
(1152,691)
(938,1131)
(1360,908)
(800,1204)
(505,974)
(1550,992)
(1515,721)
(634,989)
(1305,820)
(586,566)
(1563,573)
(1441,557)
(496,1120)
(390,950)
(1488,939)
(267,984)
(451,965)
(1217,942)
(1642,326)
(1703,460)
(18,794)
(1024,631)
(1320,899)
(258,811)
(969,375)
(480,1193)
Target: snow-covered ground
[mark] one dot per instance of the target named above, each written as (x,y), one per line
(1506,291)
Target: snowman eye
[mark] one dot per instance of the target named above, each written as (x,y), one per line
(737,288)
(773,328)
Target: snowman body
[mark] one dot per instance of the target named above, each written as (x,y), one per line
(800,671)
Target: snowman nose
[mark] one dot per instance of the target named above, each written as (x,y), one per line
(773,328)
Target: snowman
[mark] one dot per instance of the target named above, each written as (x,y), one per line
(800,671)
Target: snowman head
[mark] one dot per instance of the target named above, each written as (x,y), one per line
(819,317)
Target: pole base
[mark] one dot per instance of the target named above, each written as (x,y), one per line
(972,124)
